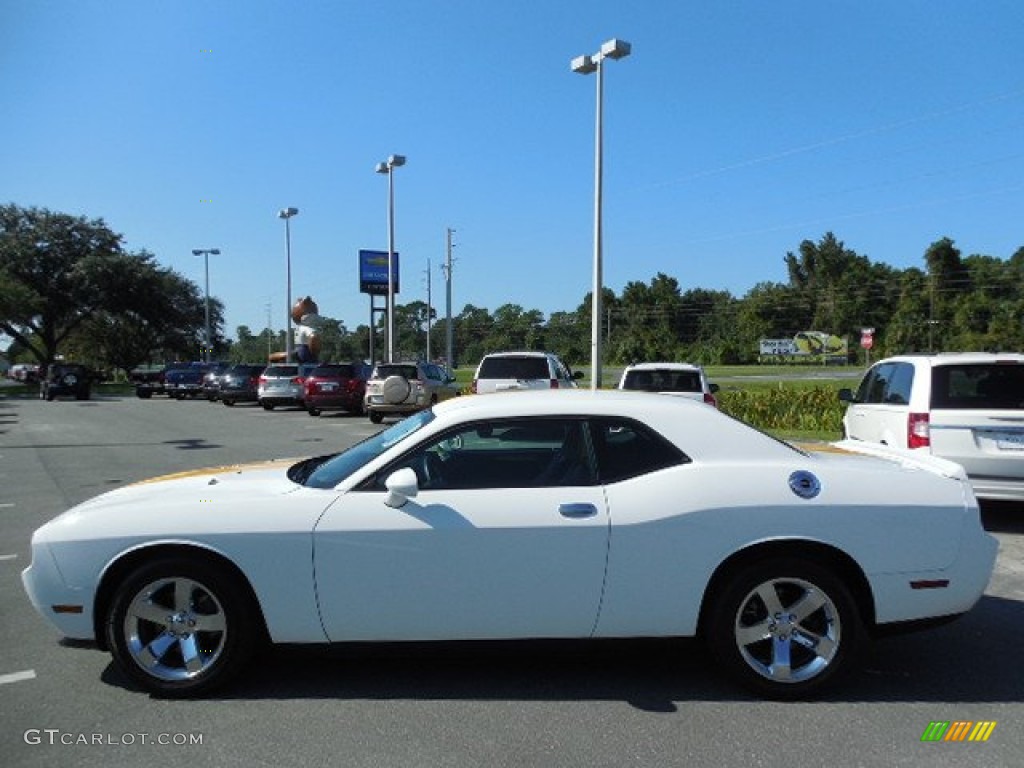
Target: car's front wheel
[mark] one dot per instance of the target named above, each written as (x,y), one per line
(180,628)
(785,627)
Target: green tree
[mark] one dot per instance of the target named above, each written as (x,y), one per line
(63,276)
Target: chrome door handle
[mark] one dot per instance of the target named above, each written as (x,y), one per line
(577,510)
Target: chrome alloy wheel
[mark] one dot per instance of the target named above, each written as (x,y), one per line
(787,630)
(175,628)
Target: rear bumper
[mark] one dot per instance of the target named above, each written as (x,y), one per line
(964,582)
(997,488)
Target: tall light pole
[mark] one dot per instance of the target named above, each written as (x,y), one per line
(447,267)
(388,167)
(286,214)
(584,65)
(205,253)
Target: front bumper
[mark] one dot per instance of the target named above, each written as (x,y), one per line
(67,608)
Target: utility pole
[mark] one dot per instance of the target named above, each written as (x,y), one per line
(428,310)
(270,332)
(447,267)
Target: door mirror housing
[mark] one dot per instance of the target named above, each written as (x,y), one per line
(402,485)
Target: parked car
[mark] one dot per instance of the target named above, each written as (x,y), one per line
(68,379)
(151,381)
(240,384)
(212,379)
(456,524)
(186,381)
(965,407)
(336,386)
(25,373)
(682,379)
(284,384)
(511,371)
(404,388)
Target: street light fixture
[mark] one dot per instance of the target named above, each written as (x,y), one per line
(584,65)
(206,253)
(388,167)
(286,214)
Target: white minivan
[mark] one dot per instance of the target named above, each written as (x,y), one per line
(967,407)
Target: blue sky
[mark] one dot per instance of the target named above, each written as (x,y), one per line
(733,132)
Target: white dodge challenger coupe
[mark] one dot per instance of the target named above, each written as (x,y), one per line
(557,514)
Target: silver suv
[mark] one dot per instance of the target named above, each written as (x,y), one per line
(403,388)
(510,371)
(283,384)
(966,407)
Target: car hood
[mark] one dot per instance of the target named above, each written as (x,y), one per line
(220,499)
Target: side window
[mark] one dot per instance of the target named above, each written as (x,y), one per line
(900,384)
(872,389)
(625,449)
(507,453)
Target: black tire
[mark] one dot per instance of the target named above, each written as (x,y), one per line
(49,395)
(267,406)
(376,417)
(151,628)
(313,411)
(752,642)
(83,395)
(145,394)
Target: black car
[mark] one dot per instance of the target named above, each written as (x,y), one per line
(187,381)
(150,381)
(66,379)
(212,378)
(239,384)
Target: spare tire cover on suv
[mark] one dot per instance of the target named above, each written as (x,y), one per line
(395,389)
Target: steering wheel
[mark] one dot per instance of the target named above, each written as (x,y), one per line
(433,470)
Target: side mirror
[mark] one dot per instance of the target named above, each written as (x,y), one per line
(402,485)
(714,388)
(577,374)
(846,395)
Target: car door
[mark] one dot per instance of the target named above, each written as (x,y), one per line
(484,550)
(866,418)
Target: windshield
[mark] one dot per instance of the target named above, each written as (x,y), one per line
(332,472)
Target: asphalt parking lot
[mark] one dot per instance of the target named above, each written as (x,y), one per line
(587,704)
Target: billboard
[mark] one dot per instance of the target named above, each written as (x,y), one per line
(373,272)
(804,345)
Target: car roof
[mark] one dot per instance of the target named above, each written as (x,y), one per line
(662,367)
(681,419)
(524,353)
(954,358)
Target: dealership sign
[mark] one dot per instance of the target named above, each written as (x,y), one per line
(373,272)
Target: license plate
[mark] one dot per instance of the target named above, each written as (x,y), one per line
(328,386)
(1010,441)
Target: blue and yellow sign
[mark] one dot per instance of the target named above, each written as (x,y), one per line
(373,272)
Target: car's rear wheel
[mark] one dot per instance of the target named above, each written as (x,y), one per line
(181,628)
(376,417)
(267,406)
(313,411)
(785,627)
(228,401)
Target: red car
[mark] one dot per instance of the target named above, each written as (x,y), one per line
(336,386)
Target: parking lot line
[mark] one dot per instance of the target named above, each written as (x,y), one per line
(17,677)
